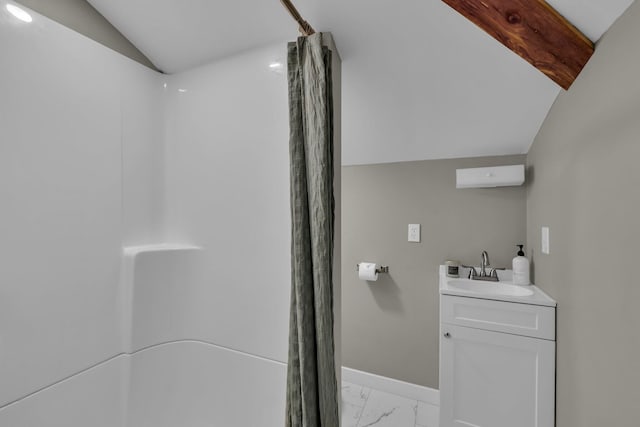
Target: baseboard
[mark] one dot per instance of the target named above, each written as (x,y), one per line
(389,385)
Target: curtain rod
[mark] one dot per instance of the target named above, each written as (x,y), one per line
(305,28)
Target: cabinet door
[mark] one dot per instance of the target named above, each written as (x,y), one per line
(492,379)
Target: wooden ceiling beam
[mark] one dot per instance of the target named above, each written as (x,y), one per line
(533,30)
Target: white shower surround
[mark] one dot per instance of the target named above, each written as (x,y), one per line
(99,154)
(163,378)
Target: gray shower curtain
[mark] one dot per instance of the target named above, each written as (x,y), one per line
(312,397)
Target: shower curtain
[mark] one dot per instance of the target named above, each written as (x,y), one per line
(312,398)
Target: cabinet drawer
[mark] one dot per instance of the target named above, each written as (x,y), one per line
(512,318)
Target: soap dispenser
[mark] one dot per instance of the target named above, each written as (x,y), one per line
(521,268)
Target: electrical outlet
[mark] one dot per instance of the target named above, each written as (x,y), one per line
(545,240)
(414,233)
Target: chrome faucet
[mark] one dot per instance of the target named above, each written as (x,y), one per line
(484,264)
(491,275)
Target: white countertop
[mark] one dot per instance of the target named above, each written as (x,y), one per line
(539,297)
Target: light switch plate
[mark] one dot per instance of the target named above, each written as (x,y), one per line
(414,233)
(545,240)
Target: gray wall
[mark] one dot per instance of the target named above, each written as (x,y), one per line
(585,169)
(390,327)
(80,16)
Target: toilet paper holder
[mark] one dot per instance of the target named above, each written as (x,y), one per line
(381,269)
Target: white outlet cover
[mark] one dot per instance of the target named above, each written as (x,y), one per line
(414,233)
(545,240)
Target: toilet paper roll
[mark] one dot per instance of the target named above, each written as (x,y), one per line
(367,271)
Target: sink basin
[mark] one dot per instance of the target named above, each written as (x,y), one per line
(504,290)
(489,288)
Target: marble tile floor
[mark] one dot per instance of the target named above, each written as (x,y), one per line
(364,407)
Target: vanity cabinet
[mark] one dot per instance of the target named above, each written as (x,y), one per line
(497,363)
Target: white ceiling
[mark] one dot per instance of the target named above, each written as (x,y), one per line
(419,80)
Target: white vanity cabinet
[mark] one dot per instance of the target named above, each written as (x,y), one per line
(497,363)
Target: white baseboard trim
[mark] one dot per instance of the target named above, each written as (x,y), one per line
(389,385)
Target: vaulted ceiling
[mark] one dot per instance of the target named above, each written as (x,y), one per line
(419,80)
